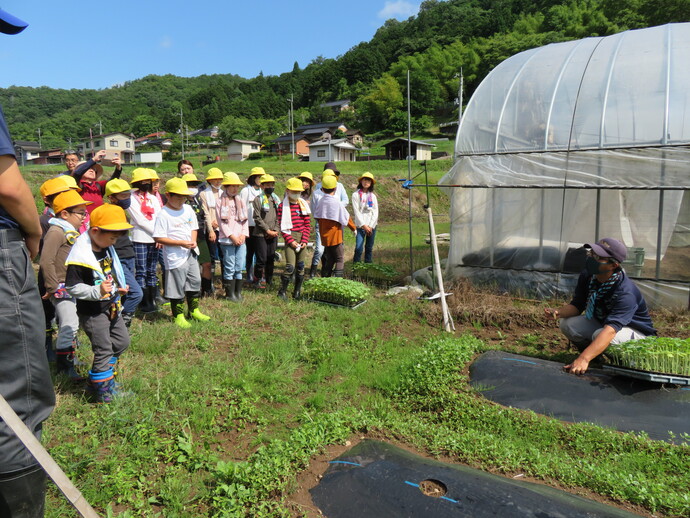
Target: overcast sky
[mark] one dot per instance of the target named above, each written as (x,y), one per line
(92,44)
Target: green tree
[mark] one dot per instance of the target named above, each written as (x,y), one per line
(235,128)
(384,99)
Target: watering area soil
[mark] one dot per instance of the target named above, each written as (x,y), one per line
(378,480)
(619,402)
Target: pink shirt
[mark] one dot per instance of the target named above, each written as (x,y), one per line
(231,215)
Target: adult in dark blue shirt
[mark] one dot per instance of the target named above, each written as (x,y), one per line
(614,309)
(24,376)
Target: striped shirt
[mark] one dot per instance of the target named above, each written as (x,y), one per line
(300,223)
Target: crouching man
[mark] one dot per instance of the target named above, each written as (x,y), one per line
(614,309)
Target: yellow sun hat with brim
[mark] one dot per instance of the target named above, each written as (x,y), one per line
(267,178)
(53,186)
(307,175)
(294,184)
(116,186)
(214,174)
(177,186)
(329,182)
(231,178)
(68,199)
(328,172)
(109,217)
(142,173)
(257,171)
(190,177)
(69,181)
(367,175)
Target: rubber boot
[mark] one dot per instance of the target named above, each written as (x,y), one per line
(338,273)
(158,298)
(297,292)
(260,281)
(206,286)
(65,364)
(102,386)
(50,352)
(284,281)
(193,307)
(147,302)
(127,318)
(312,271)
(23,493)
(229,286)
(238,290)
(177,307)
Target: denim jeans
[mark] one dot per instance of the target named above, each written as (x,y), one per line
(234,260)
(24,375)
(318,247)
(134,295)
(364,242)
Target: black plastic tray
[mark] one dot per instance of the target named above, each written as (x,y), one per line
(649,376)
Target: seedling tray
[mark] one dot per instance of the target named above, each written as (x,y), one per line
(337,305)
(649,376)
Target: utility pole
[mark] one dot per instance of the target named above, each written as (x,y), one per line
(182,133)
(460,98)
(100,128)
(292,123)
(40,146)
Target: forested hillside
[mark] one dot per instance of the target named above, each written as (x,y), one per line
(445,36)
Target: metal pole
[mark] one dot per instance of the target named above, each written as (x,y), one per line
(182,133)
(409,171)
(292,123)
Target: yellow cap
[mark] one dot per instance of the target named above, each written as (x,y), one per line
(214,174)
(68,199)
(69,182)
(327,172)
(266,179)
(190,177)
(177,186)
(116,186)
(307,175)
(294,184)
(329,182)
(54,186)
(141,173)
(367,175)
(231,178)
(257,170)
(109,217)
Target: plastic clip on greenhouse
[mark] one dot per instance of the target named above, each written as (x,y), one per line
(569,143)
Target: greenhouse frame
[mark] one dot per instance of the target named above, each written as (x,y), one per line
(569,143)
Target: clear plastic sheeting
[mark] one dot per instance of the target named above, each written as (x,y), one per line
(572,142)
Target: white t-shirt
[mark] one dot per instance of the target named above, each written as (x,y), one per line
(178,225)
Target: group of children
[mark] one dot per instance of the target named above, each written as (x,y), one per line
(99,260)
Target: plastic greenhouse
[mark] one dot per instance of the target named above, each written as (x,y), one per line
(569,143)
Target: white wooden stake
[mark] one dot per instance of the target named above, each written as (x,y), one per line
(447,320)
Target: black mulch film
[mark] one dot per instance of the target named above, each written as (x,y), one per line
(619,402)
(378,480)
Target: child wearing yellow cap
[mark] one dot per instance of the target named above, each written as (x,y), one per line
(96,280)
(70,211)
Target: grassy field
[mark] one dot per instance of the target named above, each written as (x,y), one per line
(225,419)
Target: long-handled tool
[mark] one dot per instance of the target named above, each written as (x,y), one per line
(54,471)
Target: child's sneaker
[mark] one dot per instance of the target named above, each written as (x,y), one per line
(199,316)
(262,284)
(181,321)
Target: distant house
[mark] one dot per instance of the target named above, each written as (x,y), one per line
(164,143)
(397,149)
(241,149)
(338,106)
(209,132)
(153,158)
(26,151)
(338,150)
(310,133)
(117,142)
(283,144)
(142,141)
(49,156)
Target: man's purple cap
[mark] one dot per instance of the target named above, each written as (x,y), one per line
(332,167)
(11,24)
(609,247)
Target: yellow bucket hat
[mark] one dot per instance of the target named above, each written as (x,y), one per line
(367,175)
(329,182)
(266,179)
(308,176)
(294,184)
(109,217)
(68,199)
(54,186)
(214,174)
(177,186)
(116,186)
(231,178)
